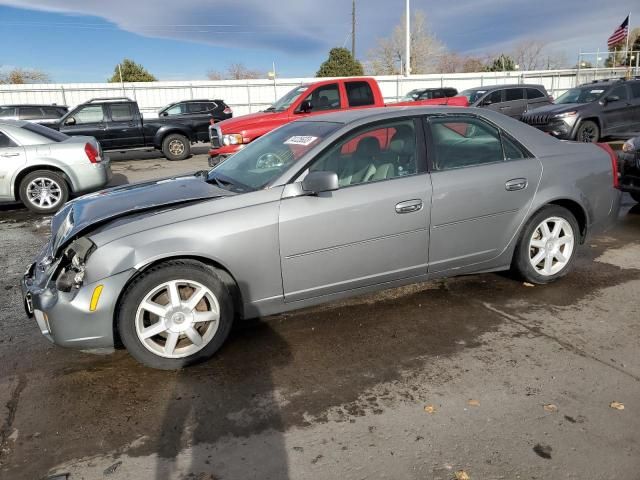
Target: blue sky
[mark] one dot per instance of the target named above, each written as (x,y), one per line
(82,40)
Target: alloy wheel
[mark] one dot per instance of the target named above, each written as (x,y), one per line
(177,318)
(551,246)
(44,192)
(176,147)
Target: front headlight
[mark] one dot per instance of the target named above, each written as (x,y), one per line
(565,115)
(629,146)
(76,255)
(232,139)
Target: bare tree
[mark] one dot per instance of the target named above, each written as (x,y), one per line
(214,75)
(386,57)
(535,55)
(21,75)
(473,64)
(237,71)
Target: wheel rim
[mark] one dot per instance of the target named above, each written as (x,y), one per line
(551,246)
(176,147)
(177,318)
(44,192)
(588,134)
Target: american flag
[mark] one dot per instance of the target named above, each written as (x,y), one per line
(620,33)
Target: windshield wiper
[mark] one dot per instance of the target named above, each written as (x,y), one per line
(225,182)
(270,109)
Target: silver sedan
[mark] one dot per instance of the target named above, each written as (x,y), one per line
(41,167)
(317,210)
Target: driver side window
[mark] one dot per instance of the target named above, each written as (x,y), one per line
(325,98)
(377,152)
(89,114)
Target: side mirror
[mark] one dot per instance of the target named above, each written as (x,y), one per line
(486,102)
(318,182)
(611,98)
(305,107)
(70,121)
(165,114)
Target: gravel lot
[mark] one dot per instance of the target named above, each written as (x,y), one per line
(480,374)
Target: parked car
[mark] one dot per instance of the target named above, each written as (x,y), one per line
(429,93)
(319,209)
(629,164)
(198,109)
(118,125)
(592,111)
(307,100)
(511,100)
(42,114)
(41,167)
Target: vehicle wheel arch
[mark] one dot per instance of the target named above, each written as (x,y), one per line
(225,275)
(164,132)
(594,119)
(578,211)
(33,168)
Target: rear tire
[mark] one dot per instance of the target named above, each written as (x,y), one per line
(176,147)
(588,132)
(547,246)
(635,196)
(176,314)
(43,191)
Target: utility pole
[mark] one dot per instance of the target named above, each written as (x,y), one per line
(353,29)
(407,54)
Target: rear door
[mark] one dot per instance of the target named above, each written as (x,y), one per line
(89,120)
(12,157)
(492,100)
(373,229)
(359,94)
(200,114)
(483,185)
(618,112)
(124,130)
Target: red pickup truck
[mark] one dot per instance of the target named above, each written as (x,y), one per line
(229,136)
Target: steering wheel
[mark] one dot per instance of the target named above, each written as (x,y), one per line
(270,160)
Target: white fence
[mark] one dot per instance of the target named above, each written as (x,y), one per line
(246,96)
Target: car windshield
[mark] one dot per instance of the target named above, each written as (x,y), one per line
(286,101)
(268,157)
(472,95)
(581,95)
(48,133)
(412,95)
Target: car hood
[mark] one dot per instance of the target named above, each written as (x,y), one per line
(239,124)
(94,209)
(554,108)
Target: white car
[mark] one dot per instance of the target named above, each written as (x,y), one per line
(41,167)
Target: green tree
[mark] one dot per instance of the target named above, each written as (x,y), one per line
(340,64)
(131,72)
(502,63)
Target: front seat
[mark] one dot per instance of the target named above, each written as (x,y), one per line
(403,149)
(323,103)
(361,167)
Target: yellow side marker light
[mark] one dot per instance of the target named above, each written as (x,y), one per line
(95,297)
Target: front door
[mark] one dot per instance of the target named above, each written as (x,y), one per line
(124,130)
(373,229)
(514,103)
(618,112)
(483,186)
(88,120)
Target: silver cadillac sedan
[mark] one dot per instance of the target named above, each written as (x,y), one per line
(317,210)
(42,167)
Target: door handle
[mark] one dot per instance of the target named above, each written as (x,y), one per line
(516,184)
(409,206)
(9,154)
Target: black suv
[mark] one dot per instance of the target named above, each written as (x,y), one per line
(512,100)
(587,113)
(42,114)
(429,93)
(216,109)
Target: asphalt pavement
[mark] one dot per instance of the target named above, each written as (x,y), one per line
(479,375)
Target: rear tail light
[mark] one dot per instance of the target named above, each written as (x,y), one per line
(92,153)
(228,111)
(614,162)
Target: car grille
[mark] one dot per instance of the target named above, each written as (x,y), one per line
(216,136)
(539,119)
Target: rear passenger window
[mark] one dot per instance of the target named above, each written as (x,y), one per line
(6,141)
(463,142)
(512,150)
(198,107)
(514,94)
(359,94)
(122,112)
(51,112)
(30,113)
(533,93)
(620,92)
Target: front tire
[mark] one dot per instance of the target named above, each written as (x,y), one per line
(176,147)
(588,132)
(43,191)
(175,314)
(547,246)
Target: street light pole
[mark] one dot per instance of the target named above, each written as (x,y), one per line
(353,29)
(407,54)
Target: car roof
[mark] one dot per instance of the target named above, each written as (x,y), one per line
(32,105)
(489,88)
(350,116)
